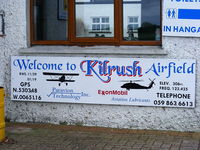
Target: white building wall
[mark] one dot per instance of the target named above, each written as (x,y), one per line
(16,36)
(132,117)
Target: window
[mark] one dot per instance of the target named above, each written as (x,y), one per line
(100,27)
(96,22)
(100,24)
(133,23)
(132,28)
(91,20)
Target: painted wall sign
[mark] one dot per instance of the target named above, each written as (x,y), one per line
(120,81)
(181,18)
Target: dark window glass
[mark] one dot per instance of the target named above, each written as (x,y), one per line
(50,19)
(144,22)
(105,20)
(96,27)
(96,20)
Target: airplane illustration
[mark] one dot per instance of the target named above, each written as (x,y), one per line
(64,77)
(133,85)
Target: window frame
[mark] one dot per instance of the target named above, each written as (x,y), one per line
(72,40)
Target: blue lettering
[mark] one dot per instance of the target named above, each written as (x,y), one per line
(153,69)
(171,68)
(191,69)
(175,29)
(27,64)
(182,29)
(187,29)
(193,29)
(179,69)
(167,28)
(129,71)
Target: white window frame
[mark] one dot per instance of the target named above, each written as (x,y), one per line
(100,24)
(133,23)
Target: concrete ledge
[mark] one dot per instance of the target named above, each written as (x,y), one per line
(97,50)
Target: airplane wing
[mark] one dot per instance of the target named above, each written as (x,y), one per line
(60,81)
(57,74)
